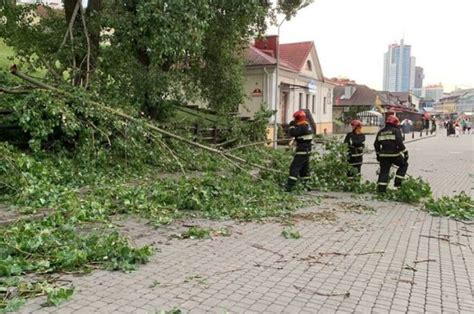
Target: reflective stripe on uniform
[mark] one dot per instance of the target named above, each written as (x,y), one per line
(303,153)
(389,155)
(293,178)
(357,155)
(404,151)
(400,177)
(305,137)
(382,183)
(388,137)
(292,127)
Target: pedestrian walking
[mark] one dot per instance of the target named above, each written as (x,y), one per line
(355,141)
(450,129)
(457,129)
(390,150)
(463,126)
(468,126)
(433,126)
(301,130)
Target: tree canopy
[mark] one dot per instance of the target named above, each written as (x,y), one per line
(146,56)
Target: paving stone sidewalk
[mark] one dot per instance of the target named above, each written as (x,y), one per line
(348,259)
(447,163)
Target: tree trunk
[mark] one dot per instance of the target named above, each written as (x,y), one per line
(92,16)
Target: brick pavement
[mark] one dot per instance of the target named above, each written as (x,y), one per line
(446,163)
(396,259)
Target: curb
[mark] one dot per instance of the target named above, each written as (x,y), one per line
(420,138)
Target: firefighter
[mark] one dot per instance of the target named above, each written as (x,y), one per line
(355,140)
(390,151)
(303,134)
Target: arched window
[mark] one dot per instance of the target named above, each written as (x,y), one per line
(309,65)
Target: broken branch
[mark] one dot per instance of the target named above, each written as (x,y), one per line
(424,260)
(258,246)
(14,70)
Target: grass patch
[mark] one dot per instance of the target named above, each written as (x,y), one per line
(5,53)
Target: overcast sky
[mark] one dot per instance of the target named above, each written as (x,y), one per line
(351,37)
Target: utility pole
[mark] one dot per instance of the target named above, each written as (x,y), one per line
(277,89)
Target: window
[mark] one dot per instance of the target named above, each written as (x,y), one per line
(300,104)
(309,66)
(307,101)
(314,104)
(324,105)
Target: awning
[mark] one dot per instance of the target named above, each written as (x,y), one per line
(369,113)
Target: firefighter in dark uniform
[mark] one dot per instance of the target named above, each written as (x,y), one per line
(390,151)
(303,134)
(355,141)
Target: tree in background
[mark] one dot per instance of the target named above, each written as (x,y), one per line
(144,56)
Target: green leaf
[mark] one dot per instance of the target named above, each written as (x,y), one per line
(57,296)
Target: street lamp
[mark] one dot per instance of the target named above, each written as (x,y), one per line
(277,89)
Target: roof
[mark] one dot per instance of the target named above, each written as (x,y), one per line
(363,96)
(403,96)
(255,56)
(296,54)
(293,56)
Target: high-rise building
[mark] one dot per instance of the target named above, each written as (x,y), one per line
(398,69)
(419,76)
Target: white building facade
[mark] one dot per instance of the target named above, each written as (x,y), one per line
(300,83)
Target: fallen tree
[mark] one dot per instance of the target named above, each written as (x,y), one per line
(226,155)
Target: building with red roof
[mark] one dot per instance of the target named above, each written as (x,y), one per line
(301,84)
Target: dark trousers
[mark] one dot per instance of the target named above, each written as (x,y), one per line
(385,165)
(299,167)
(356,163)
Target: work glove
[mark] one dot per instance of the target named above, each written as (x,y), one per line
(405,154)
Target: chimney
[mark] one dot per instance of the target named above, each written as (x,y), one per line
(349,90)
(268,44)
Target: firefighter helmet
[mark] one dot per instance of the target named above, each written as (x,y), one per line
(356,124)
(299,115)
(393,120)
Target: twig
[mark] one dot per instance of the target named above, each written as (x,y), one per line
(409,267)
(239,167)
(248,145)
(424,260)
(311,259)
(228,271)
(267,266)
(71,23)
(442,239)
(103,132)
(15,90)
(333,253)
(411,282)
(88,64)
(171,153)
(258,246)
(227,142)
(367,253)
(18,249)
(344,294)
(52,71)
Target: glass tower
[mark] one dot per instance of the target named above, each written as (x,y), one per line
(398,68)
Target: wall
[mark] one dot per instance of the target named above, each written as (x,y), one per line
(297,85)
(256,78)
